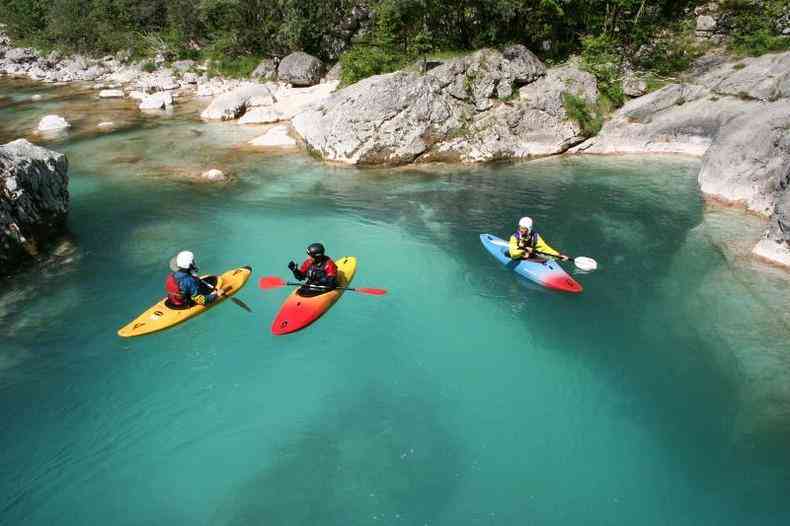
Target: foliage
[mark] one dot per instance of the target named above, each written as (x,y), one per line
(647,33)
(603,57)
(589,119)
(753,26)
(233,67)
(366,60)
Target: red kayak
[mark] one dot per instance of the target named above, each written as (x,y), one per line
(299,311)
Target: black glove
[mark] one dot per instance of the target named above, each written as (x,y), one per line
(292,265)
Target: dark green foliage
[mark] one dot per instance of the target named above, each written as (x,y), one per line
(648,33)
(365,60)
(234,67)
(752,26)
(603,56)
(589,119)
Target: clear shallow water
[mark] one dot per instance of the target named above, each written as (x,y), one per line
(464,396)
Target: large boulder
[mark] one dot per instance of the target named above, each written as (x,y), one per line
(233,104)
(765,78)
(736,115)
(300,69)
(20,55)
(385,119)
(158,82)
(158,101)
(34,200)
(679,118)
(465,110)
(266,70)
(486,75)
(749,162)
(277,137)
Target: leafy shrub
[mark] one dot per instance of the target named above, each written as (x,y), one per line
(603,57)
(753,26)
(589,119)
(149,67)
(670,51)
(363,61)
(233,67)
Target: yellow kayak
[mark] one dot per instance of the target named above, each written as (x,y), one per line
(161,317)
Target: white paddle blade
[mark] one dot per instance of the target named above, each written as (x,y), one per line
(585,263)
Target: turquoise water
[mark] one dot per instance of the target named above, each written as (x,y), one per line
(661,395)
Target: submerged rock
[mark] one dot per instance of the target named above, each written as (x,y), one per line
(214,175)
(34,200)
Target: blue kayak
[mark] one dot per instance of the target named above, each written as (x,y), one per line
(543,271)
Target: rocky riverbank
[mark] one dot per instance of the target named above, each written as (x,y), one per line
(735,114)
(486,106)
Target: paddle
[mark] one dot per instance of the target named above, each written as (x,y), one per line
(231,298)
(581,262)
(273,282)
(174,268)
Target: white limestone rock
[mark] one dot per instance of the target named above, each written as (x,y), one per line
(111,94)
(277,137)
(52,123)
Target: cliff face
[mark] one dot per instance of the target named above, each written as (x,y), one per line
(34,200)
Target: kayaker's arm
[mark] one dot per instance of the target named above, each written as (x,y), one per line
(193,289)
(298,274)
(542,246)
(515,251)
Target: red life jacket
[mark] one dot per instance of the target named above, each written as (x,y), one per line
(175,295)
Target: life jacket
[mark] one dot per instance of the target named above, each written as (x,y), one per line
(320,272)
(175,296)
(530,240)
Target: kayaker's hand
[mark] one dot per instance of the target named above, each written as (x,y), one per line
(219,292)
(564,257)
(292,265)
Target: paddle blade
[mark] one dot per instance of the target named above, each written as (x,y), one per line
(241,304)
(585,263)
(376,292)
(271,282)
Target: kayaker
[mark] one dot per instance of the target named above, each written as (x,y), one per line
(318,269)
(526,241)
(184,288)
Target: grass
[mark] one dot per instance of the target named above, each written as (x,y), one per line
(233,67)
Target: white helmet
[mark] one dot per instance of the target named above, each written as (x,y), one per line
(525,222)
(185,259)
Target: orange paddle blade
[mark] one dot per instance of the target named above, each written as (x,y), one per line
(377,292)
(271,282)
